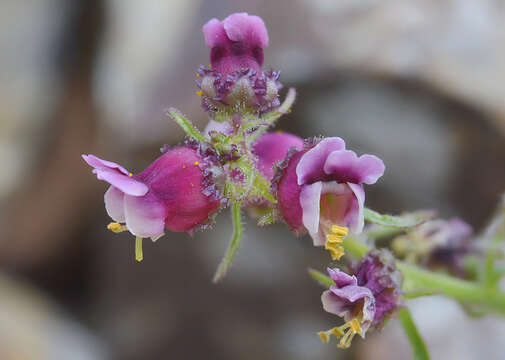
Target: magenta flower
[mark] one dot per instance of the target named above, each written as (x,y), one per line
(175,192)
(364,299)
(236,43)
(272,148)
(236,57)
(320,190)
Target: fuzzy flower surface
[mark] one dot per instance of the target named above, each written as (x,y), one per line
(365,299)
(236,43)
(320,189)
(171,193)
(236,76)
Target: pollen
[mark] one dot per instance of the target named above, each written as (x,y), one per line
(130,174)
(344,332)
(197,74)
(199,93)
(183,166)
(196,163)
(334,240)
(116,227)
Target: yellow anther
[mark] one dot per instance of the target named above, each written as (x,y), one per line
(339,230)
(355,326)
(183,166)
(130,174)
(334,238)
(323,335)
(199,93)
(197,74)
(192,185)
(116,227)
(337,253)
(344,332)
(196,163)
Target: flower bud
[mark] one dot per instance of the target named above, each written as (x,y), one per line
(236,77)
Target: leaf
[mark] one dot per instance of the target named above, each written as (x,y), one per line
(405,221)
(185,124)
(321,278)
(419,349)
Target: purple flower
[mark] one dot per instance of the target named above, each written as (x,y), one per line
(441,244)
(236,43)
(272,148)
(236,57)
(174,192)
(320,190)
(364,299)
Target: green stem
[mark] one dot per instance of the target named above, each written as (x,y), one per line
(417,278)
(185,124)
(461,290)
(416,341)
(234,242)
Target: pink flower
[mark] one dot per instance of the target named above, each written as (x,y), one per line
(320,189)
(235,77)
(236,43)
(364,299)
(272,148)
(173,193)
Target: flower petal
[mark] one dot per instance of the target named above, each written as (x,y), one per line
(125,183)
(272,148)
(214,33)
(310,197)
(222,127)
(115,175)
(341,278)
(310,167)
(145,215)
(114,204)
(355,217)
(345,166)
(245,28)
(98,163)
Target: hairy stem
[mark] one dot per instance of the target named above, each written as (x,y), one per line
(234,242)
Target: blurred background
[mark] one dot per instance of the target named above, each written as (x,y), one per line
(419,83)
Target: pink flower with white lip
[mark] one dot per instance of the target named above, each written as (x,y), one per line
(320,189)
(171,193)
(235,76)
(236,43)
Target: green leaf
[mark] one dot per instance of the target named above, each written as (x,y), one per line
(419,349)
(405,221)
(185,124)
(234,243)
(321,278)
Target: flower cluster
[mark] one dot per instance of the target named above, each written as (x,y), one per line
(315,186)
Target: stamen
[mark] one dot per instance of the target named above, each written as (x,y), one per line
(139,256)
(199,93)
(345,332)
(334,239)
(116,227)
